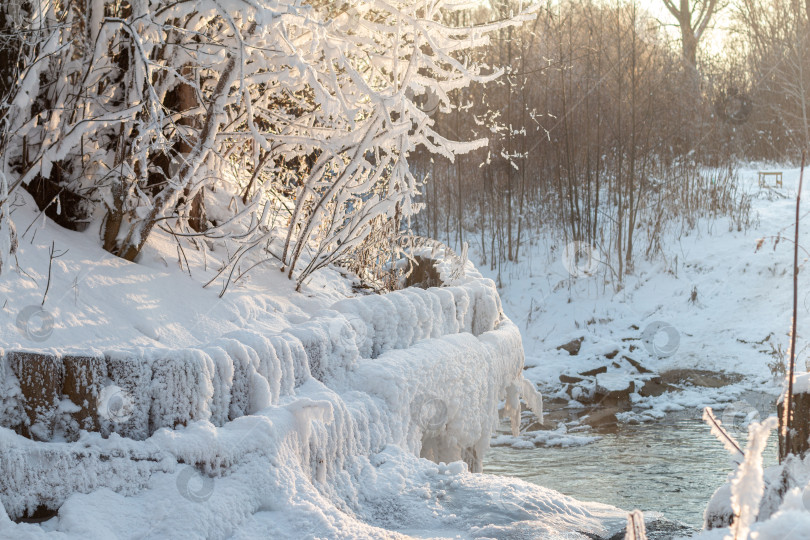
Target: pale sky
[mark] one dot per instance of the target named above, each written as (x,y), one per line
(711,42)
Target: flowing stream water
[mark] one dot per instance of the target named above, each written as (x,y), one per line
(672,466)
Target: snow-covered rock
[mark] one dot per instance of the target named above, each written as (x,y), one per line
(246,371)
(320,405)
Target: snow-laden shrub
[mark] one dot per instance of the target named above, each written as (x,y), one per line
(227,118)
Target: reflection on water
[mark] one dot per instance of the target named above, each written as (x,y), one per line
(673,467)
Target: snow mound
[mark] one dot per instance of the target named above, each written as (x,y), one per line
(320,425)
(244,371)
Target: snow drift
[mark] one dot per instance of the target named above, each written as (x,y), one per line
(251,423)
(243,372)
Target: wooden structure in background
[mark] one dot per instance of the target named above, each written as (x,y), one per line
(764,175)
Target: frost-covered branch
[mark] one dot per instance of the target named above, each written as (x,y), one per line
(717,429)
(748,485)
(147,106)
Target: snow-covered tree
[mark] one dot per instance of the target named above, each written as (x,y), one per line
(133,112)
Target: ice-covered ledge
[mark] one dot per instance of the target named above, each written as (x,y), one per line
(422,370)
(243,372)
(443,394)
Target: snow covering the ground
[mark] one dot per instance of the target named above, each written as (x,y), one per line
(261,477)
(267,413)
(322,414)
(737,326)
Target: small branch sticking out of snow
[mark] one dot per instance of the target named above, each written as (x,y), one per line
(635,526)
(787,420)
(748,485)
(729,442)
(52,255)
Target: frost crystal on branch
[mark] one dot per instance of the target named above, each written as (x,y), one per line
(142,111)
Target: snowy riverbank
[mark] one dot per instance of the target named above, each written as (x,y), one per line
(717,309)
(327,447)
(718,303)
(319,408)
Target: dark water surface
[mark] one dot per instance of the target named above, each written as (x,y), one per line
(672,466)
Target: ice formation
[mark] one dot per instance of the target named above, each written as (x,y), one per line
(326,403)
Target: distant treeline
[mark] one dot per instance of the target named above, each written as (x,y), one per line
(604,126)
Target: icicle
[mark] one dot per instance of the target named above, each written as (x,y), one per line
(532,397)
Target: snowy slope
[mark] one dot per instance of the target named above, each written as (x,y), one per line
(267,445)
(317,466)
(737,324)
(98,300)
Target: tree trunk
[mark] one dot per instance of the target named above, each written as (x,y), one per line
(139,232)
(799,444)
(9,47)
(689,44)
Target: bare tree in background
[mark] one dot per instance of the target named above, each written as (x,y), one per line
(780,63)
(693,18)
(594,137)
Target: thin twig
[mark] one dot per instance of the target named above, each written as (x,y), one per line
(51,256)
(720,432)
(788,408)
